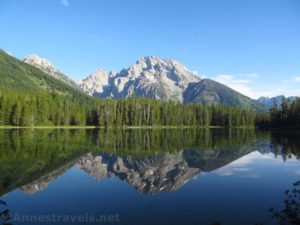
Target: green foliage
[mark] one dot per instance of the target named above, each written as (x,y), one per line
(290,214)
(20,109)
(287,115)
(19,76)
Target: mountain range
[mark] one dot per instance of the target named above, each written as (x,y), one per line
(269,102)
(150,77)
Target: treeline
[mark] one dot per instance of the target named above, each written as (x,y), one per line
(287,114)
(26,109)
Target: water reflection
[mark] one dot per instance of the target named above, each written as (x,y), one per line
(152,161)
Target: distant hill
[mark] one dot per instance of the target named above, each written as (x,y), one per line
(269,102)
(211,92)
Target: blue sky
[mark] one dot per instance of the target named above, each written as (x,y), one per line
(251,45)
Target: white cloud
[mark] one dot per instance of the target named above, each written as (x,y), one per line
(246,84)
(239,82)
(65,2)
(297,79)
(242,166)
(195,72)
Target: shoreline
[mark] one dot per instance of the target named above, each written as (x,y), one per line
(125,127)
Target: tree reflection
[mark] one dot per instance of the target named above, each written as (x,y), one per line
(286,144)
(290,214)
(4,214)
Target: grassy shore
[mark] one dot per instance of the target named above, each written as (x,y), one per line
(120,127)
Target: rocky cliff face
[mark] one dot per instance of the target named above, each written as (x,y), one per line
(151,77)
(47,67)
(97,83)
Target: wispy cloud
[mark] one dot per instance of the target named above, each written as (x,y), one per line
(195,72)
(239,82)
(247,84)
(243,166)
(65,3)
(297,79)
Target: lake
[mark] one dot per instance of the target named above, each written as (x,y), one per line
(140,176)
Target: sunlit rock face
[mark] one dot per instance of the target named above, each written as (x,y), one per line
(97,83)
(151,77)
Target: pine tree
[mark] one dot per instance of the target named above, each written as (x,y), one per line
(16,114)
(26,116)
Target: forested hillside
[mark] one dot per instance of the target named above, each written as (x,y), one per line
(210,92)
(18,76)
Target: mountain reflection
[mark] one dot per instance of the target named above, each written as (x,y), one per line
(151,160)
(149,175)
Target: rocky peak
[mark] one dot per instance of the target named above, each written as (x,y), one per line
(149,61)
(96,82)
(150,76)
(36,60)
(99,74)
(45,66)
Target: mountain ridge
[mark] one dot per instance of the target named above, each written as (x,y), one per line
(208,91)
(45,66)
(269,101)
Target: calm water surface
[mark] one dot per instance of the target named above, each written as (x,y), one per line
(149,177)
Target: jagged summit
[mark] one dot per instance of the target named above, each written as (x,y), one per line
(95,82)
(153,61)
(37,60)
(150,77)
(149,60)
